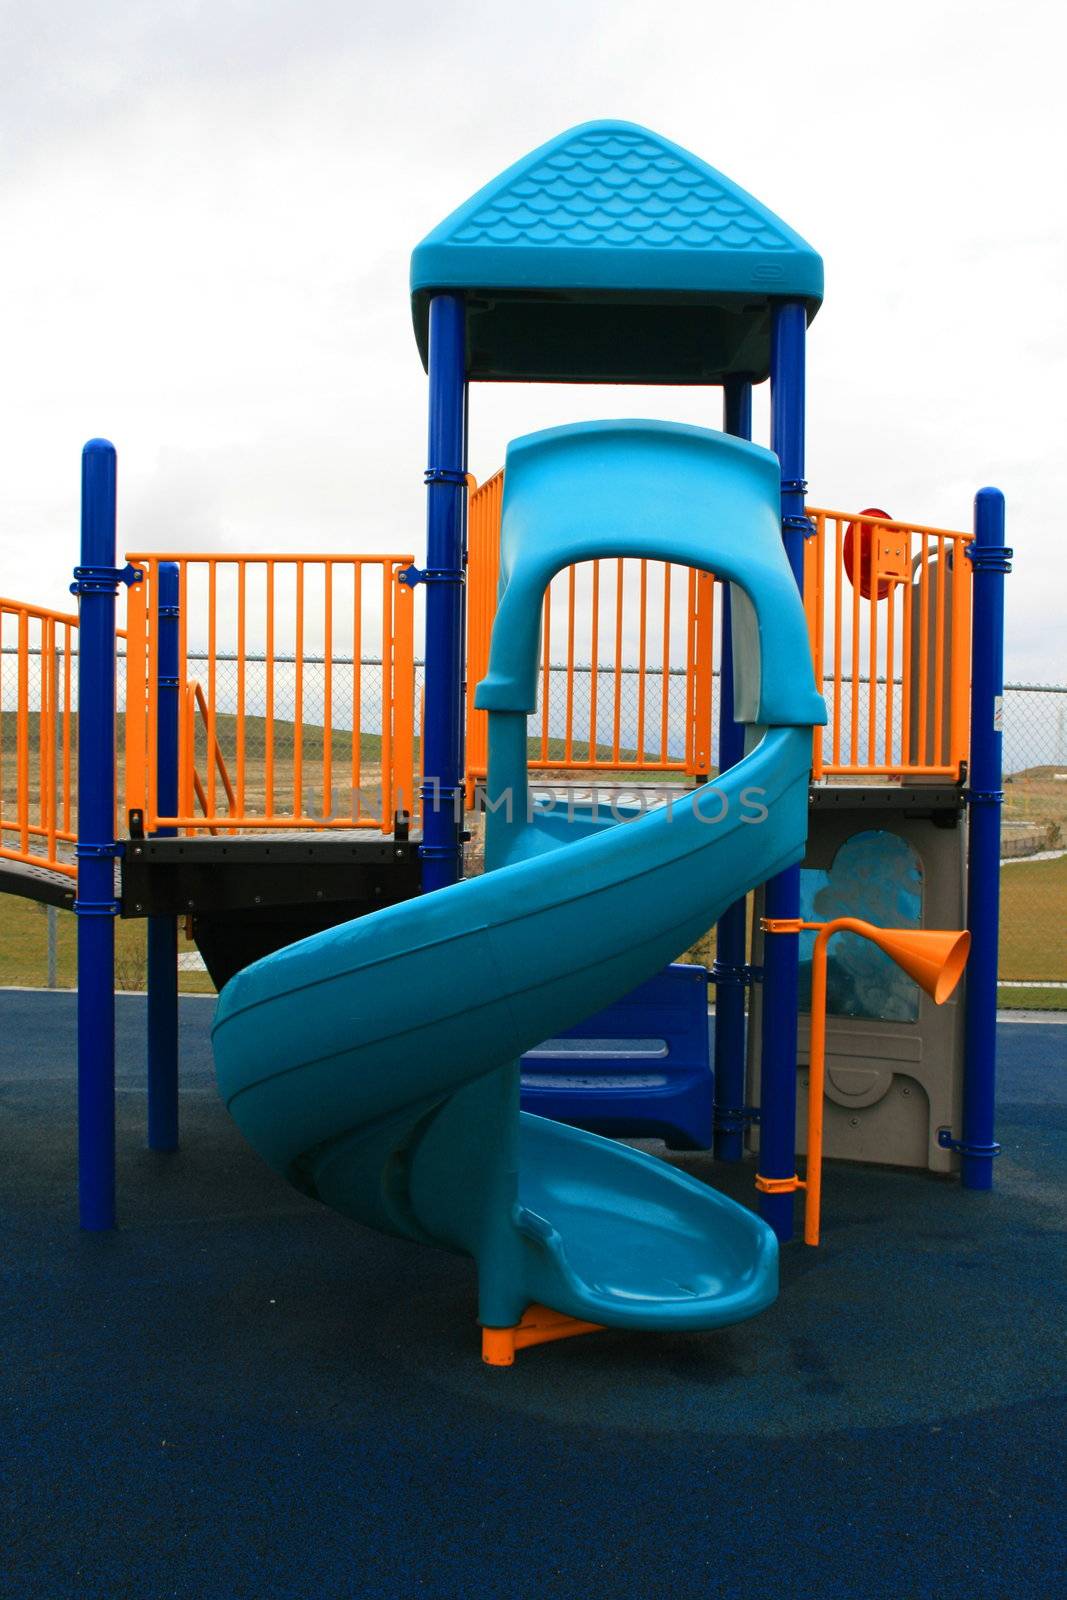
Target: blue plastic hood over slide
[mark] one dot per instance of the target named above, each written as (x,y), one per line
(376,1064)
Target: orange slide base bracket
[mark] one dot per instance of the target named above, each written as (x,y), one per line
(538,1325)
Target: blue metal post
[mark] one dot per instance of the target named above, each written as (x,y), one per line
(163,931)
(96,582)
(991,560)
(729,971)
(778,1058)
(442,787)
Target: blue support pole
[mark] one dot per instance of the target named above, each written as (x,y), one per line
(96,583)
(991,559)
(446,495)
(729,971)
(778,1059)
(163,931)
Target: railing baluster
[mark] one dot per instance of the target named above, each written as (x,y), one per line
(148,684)
(327,693)
(642,641)
(357,687)
(854,709)
(568,741)
(268,697)
(242,625)
(48,734)
(939,655)
(298,696)
(212,628)
(906,646)
(924,648)
(22,733)
(594,667)
(872,653)
(890,624)
(961,654)
(664,708)
(839,623)
(403,697)
(546,645)
(617,711)
(386,782)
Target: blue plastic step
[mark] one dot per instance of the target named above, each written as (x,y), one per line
(641,1068)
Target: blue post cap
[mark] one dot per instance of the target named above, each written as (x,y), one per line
(611,254)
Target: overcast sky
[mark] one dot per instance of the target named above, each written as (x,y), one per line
(208,210)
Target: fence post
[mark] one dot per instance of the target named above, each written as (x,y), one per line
(136,784)
(446,490)
(729,972)
(402,703)
(96,584)
(163,931)
(990,560)
(778,1063)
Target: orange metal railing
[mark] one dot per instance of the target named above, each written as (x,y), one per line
(305,691)
(303,698)
(891,653)
(891,645)
(38,734)
(647,707)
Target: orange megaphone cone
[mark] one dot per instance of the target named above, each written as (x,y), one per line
(934,957)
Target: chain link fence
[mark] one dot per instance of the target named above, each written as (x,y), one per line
(1033,877)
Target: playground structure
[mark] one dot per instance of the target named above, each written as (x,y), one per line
(312,824)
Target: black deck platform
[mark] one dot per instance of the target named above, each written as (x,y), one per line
(43,884)
(176,877)
(943,802)
(250,894)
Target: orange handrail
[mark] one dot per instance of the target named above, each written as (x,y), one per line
(190,783)
(37,808)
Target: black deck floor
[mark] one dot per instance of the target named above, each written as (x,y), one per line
(240,1394)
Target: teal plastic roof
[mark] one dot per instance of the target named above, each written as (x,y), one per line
(612,254)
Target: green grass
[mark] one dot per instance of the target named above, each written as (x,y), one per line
(24,950)
(1033,932)
(1035,999)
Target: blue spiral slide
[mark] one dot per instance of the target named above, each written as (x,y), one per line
(376,1064)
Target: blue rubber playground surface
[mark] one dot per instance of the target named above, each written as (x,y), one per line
(240,1394)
